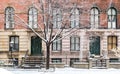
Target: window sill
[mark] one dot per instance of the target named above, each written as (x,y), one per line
(9,28)
(75,51)
(56,51)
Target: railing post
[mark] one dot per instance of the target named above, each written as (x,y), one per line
(107,62)
(90,63)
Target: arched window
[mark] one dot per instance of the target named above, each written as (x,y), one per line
(74,18)
(33,17)
(112,18)
(57,18)
(94,17)
(9,17)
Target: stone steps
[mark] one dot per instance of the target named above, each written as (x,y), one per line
(33,62)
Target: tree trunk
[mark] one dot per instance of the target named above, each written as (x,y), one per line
(48,56)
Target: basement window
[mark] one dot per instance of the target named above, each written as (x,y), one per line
(56,60)
(113,60)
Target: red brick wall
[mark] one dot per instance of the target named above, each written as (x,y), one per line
(21,9)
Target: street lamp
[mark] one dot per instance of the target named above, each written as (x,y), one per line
(11,48)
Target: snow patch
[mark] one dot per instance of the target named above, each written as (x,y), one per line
(4,71)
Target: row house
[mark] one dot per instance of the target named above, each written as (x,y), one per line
(96,21)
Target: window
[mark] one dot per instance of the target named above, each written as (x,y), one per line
(57,18)
(94,17)
(74,18)
(9,18)
(112,18)
(14,43)
(112,42)
(56,60)
(74,43)
(114,60)
(57,45)
(33,17)
(74,59)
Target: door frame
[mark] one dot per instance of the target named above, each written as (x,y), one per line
(99,45)
(31,46)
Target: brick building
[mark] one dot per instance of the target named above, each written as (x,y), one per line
(97,32)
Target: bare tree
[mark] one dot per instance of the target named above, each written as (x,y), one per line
(49,30)
(55,17)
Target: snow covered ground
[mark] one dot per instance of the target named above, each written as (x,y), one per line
(4,71)
(60,71)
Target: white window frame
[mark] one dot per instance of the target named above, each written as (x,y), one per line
(57,18)
(57,45)
(112,18)
(94,17)
(14,43)
(74,18)
(33,17)
(9,18)
(74,43)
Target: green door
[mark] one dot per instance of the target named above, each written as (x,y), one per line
(36,45)
(95,45)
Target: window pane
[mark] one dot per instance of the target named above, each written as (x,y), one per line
(77,46)
(72,46)
(16,47)
(114,40)
(72,24)
(57,17)
(16,40)
(96,11)
(96,18)
(12,39)
(113,12)
(9,17)
(58,46)
(113,25)
(77,40)
(72,39)
(14,43)
(109,25)
(109,46)
(114,46)
(109,12)
(54,45)
(33,17)
(77,24)
(92,11)
(113,18)
(76,11)
(56,60)
(109,39)
(109,18)
(72,17)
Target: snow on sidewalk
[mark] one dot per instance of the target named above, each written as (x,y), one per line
(4,71)
(85,71)
(63,71)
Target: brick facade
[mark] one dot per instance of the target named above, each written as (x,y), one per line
(21,8)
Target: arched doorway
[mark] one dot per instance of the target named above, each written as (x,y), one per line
(36,45)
